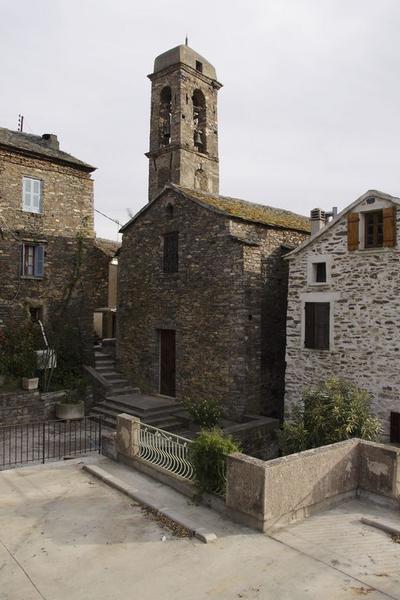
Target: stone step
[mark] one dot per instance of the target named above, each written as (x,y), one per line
(105,364)
(109,417)
(144,414)
(127,391)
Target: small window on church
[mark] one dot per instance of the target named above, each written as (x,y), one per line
(169,210)
(199,66)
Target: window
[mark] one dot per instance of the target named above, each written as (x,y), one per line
(32,260)
(373,222)
(165,116)
(199,121)
(320,272)
(32,195)
(372,229)
(317,321)
(170,262)
(199,66)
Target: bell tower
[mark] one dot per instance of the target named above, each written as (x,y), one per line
(183,122)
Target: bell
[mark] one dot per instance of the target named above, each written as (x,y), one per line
(197,139)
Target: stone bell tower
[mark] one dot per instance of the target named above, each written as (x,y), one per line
(183,123)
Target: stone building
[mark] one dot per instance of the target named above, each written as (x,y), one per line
(202,284)
(50,264)
(343,315)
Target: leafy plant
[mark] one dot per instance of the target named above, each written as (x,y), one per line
(334,411)
(76,389)
(208,453)
(205,413)
(17,350)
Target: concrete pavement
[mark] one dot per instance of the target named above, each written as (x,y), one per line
(65,535)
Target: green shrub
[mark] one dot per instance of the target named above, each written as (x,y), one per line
(334,411)
(208,453)
(17,350)
(205,413)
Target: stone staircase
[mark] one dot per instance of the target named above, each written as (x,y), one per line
(122,397)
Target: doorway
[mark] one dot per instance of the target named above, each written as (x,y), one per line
(395,427)
(167,362)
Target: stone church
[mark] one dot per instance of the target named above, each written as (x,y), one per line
(202,281)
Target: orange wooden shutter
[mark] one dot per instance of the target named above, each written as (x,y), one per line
(352,231)
(389,226)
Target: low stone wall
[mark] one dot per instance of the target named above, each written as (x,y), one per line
(268,495)
(256,436)
(22,407)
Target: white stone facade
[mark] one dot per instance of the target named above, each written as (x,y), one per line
(363,289)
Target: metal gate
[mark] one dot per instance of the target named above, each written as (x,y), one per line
(48,441)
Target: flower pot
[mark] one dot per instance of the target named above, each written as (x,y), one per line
(70,411)
(30,383)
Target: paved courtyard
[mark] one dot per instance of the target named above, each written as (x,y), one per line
(65,535)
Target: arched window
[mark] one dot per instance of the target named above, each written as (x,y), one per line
(165,117)
(169,210)
(199,121)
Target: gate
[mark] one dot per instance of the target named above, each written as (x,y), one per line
(48,441)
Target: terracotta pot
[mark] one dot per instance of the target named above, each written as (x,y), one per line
(30,383)
(70,411)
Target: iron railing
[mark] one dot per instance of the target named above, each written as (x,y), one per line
(165,450)
(48,440)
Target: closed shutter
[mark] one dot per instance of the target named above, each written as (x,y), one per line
(27,193)
(389,226)
(353,220)
(39,261)
(316,333)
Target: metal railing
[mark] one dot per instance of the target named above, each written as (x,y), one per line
(165,450)
(48,440)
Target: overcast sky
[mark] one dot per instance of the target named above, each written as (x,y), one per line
(308,115)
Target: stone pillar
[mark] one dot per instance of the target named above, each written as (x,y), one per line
(128,435)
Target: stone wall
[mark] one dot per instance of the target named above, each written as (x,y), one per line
(75,277)
(226,303)
(272,494)
(366,321)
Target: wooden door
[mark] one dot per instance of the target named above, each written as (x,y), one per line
(395,427)
(167,362)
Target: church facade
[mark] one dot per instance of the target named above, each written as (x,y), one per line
(202,281)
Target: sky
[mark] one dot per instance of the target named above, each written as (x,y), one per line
(308,115)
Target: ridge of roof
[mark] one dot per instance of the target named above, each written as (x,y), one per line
(36,144)
(342,213)
(235,208)
(108,247)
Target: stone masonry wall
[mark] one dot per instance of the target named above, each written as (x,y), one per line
(218,303)
(75,271)
(366,321)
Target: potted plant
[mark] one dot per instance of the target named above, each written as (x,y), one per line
(72,406)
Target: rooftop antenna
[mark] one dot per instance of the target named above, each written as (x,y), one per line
(20,122)
(186,40)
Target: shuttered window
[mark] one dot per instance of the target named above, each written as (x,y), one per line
(317,316)
(32,195)
(171,256)
(32,260)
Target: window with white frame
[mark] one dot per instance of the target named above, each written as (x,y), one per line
(319,270)
(32,195)
(32,260)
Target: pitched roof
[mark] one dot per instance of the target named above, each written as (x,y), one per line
(332,223)
(108,247)
(238,209)
(39,146)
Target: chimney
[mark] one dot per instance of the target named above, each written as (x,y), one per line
(51,140)
(317,220)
